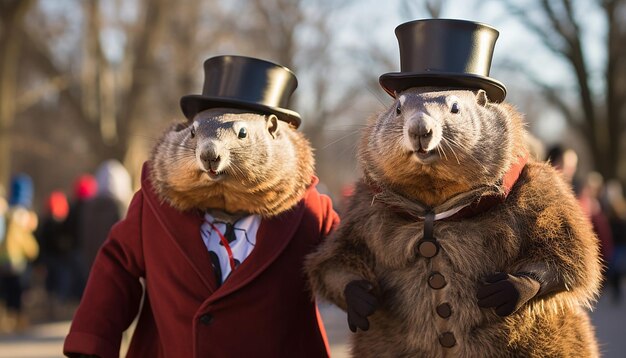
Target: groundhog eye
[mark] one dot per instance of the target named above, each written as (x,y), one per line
(243,132)
(193,131)
(398,111)
(455,108)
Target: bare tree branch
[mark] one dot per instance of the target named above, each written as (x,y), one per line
(542,34)
(602,131)
(550,93)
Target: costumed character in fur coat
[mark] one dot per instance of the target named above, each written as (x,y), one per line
(456,243)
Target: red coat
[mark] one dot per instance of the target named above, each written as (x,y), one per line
(263,310)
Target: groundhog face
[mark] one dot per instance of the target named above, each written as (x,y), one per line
(226,142)
(232,160)
(434,124)
(229,147)
(446,135)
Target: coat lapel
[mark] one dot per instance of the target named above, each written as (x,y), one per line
(184,229)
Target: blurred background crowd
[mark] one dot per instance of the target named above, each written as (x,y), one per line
(45,256)
(87,86)
(604,205)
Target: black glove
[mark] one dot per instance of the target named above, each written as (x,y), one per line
(360,303)
(507,293)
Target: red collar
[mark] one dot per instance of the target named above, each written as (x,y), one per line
(479,205)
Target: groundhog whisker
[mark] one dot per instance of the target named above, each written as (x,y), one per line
(340,139)
(461,146)
(442,152)
(345,127)
(467,151)
(153,139)
(383,102)
(477,162)
(439,151)
(237,172)
(182,155)
(184,146)
(447,142)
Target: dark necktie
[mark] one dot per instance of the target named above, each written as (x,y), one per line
(230,233)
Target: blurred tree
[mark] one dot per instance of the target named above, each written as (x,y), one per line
(301,35)
(117,68)
(600,118)
(301,38)
(107,94)
(381,58)
(433,8)
(101,78)
(12,13)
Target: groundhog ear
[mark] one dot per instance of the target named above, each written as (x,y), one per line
(481,98)
(271,123)
(180,126)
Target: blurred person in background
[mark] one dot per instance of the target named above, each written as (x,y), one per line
(17,250)
(588,194)
(106,208)
(616,212)
(4,206)
(56,248)
(564,160)
(85,188)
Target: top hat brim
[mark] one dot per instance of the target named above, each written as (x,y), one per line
(194,104)
(395,82)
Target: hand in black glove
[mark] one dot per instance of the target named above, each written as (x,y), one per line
(507,293)
(361,303)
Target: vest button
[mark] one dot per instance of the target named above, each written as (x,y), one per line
(428,248)
(447,339)
(206,319)
(436,281)
(444,310)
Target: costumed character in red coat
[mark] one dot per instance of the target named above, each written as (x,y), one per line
(218,231)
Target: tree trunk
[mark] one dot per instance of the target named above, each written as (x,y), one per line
(144,72)
(11,16)
(614,101)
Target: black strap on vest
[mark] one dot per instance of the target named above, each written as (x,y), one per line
(429,221)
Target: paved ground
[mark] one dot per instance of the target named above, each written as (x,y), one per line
(45,340)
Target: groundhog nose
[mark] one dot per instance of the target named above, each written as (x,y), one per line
(421,127)
(421,133)
(210,159)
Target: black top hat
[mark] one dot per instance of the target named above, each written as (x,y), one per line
(445,53)
(246,83)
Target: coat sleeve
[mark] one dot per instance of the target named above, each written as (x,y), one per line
(113,293)
(330,219)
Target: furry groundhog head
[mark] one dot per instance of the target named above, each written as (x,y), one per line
(431,144)
(234,161)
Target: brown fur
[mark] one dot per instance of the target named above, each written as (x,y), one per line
(265,174)
(539,229)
